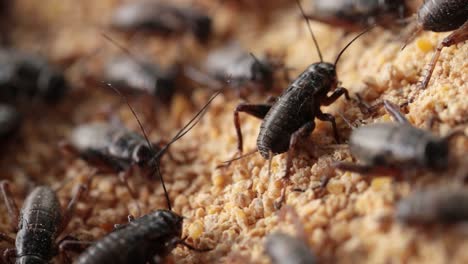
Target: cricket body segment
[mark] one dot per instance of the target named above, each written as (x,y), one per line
(233,63)
(114,147)
(144,76)
(399,146)
(298,105)
(444,206)
(442,15)
(162,18)
(395,147)
(358,14)
(24,75)
(146,239)
(39,222)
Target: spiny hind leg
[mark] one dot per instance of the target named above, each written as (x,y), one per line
(330,118)
(257,110)
(302,132)
(457,36)
(394,111)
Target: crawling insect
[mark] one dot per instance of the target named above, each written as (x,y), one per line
(24,75)
(441,16)
(148,238)
(40,224)
(10,120)
(162,18)
(356,14)
(142,76)
(292,115)
(240,67)
(394,147)
(442,205)
(111,148)
(116,149)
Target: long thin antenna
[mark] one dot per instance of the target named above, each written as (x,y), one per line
(351,42)
(255,58)
(168,200)
(184,130)
(120,46)
(134,114)
(228,162)
(310,30)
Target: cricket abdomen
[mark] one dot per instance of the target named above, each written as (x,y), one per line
(290,113)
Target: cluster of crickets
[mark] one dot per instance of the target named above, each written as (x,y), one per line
(380,148)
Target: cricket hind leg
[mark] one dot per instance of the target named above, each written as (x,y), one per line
(302,132)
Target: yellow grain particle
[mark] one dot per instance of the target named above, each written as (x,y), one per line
(424,45)
(335,188)
(274,167)
(218,180)
(213,210)
(195,230)
(347,174)
(386,118)
(179,105)
(105,186)
(445,89)
(241,218)
(379,183)
(278,184)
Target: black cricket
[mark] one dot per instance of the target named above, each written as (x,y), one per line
(242,69)
(444,205)
(393,147)
(24,76)
(291,116)
(162,18)
(357,14)
(142,77)
(40,224)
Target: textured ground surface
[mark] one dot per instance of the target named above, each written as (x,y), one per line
(232,209)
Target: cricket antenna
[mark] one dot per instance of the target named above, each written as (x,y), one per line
(158,172)
(310,30)
(351,42)
(228,162)
(134,114)
(120,46)
(184,130)
(347,121)
(255,58)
